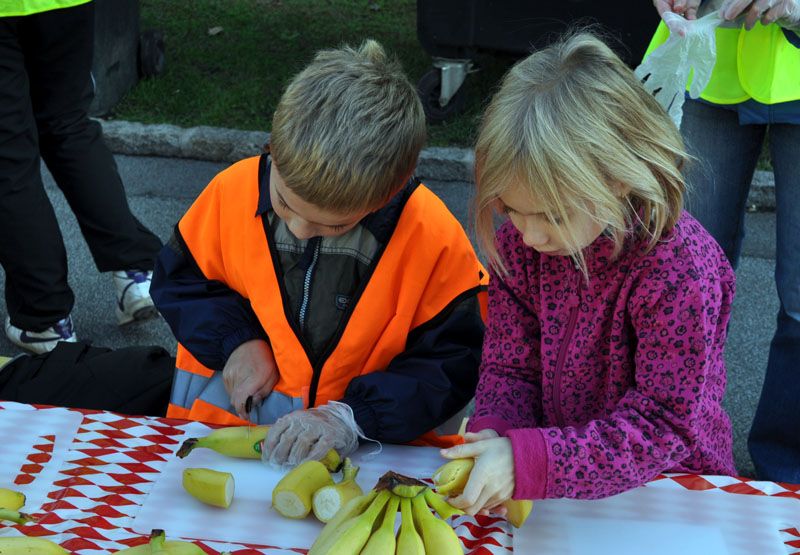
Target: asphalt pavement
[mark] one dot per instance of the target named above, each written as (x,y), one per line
(161,189)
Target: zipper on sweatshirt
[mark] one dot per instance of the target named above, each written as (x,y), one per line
(562,355)
(307,278)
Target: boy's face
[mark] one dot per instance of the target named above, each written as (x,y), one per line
(530,219)
(304,219)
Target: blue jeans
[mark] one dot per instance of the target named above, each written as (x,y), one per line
(719,182)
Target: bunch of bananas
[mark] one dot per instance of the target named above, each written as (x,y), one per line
(366,524)
(11,501)
(451,478)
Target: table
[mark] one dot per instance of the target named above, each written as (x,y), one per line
(94,483)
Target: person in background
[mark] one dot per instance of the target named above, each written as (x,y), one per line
(46,88)
(322,281)
(602,364)
(754,92)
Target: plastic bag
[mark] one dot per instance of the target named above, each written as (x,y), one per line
(691,46)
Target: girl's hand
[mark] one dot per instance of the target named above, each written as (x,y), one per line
(785,12)
(472,437)
(492,478)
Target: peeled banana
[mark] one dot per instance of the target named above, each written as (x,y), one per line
(209,486)
(24,545)
(452,476)
(11,499)
(292,496)
(327,500)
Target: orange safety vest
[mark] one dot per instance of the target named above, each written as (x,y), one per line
(427,264)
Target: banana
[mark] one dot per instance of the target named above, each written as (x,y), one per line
(351,535)
(451,477)
(292,496)
(327,500)
(517,511)
(14,516)
(437,536)
(209,486)
(400,485)
(382,541)
(159,546)
(243,442)
(409,541)
(353,508)
(11,499)
(438,504)
(24,545)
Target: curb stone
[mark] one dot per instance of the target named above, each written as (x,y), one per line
(219,144)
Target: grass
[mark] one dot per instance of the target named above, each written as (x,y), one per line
(235,78)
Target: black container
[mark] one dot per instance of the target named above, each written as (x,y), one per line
(456,31)
(121,53)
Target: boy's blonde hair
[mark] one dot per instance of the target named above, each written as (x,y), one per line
(348,130)
(573,124)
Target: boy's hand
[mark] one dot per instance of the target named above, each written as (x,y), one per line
(491,481)
(309,434)
(250,370)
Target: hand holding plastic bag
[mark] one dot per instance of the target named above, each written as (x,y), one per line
(309,434)
(691,46)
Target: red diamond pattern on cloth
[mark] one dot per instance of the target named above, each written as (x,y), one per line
(113,461)
(28,472)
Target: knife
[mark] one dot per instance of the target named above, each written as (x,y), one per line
(248,408)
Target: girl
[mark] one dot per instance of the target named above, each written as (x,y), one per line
(602,363)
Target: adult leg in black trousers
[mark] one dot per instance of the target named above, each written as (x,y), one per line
(56,50)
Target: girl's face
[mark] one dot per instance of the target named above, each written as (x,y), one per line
(530,219)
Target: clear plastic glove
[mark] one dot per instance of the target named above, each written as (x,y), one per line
(686,8)
(491,481)
(785,13)
(691,46)
(250,371)
(309,434)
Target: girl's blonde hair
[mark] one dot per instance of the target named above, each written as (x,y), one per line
(348,129)
(573,125)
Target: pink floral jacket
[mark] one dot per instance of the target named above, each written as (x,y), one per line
(602,385)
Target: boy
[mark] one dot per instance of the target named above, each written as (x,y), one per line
(321,280)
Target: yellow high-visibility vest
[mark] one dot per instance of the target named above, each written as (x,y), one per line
(760,64)
(27,7)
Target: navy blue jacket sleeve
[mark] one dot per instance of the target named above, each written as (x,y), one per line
(426,384)
(206,316)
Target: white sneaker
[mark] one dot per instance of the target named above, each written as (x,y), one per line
(41,342)
(133,296)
